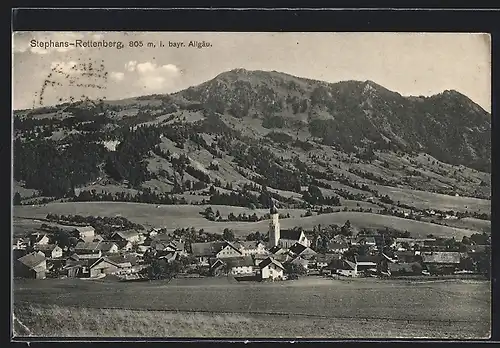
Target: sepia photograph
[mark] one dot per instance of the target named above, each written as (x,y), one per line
(251,185)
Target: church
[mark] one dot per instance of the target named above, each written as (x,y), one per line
(283,238)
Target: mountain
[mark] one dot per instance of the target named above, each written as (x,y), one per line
(226,140)
(448,126)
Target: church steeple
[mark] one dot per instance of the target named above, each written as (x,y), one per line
(274,226)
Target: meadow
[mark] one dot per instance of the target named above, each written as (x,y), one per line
(182,216)
(309,307)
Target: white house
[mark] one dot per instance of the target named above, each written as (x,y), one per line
(85,232)
(50,251)
(240,265)
(271,269)
(252,248)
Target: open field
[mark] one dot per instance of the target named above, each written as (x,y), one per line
(318,307)
(429,200)
(173,216)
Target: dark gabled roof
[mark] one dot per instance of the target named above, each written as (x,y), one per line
(241,261)
(207,249)
(33,259)
(270,260)
(441,257)
(276,249)
(333,245)
(303,251)
(326,257)
(290,234)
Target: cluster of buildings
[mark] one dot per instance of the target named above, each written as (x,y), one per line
(92,256)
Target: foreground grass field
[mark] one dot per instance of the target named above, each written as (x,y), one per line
(218,307)
(181,216)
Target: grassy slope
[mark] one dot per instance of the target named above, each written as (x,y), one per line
(332,308)
(188,216)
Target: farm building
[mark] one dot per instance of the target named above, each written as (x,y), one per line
(94,238)
(271,269)
(441,261)
(129,235)
(32,265)
(51,251)
(88,248)
(90,268)
(347,268)
(240,265)
(203,251)
(85,232)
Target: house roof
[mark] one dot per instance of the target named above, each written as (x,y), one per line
(333,245)
(441,257)
(407,256)
(290,234)
(206,249)
(105,246)
(177,244)
(270,260)
(87,246)
(46,247)
(401,266)
(94,238)
(277,250)
(366,239)
(302,250)
(127,234)
(33,259)
(83,229)
(123,258)
(241,261)
(367,258)
(326,257)
(348,264)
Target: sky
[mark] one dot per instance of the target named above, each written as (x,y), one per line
(408,63)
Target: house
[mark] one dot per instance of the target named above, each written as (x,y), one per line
(221,250)
(94,238)
(51,251)
(364,240)
(39,239)
(343,267)
(123,245)
(88,248)
(271,268)
(290,237)
(216,266)
(90,267)
(129,235)
(441,261)
(107,247)
(85,232)
(125,262)
(337,247)
(299,260)
(32,265)
(303,251)
(240,265)
(322,260)
(252,248)
(177,246)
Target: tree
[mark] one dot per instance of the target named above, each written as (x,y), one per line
(295,268)
(228,235)
(17,199)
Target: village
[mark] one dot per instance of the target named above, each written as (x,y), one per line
(128,254)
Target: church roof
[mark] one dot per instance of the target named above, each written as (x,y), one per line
(290,234)
(273,209)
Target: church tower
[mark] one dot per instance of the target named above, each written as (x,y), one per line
(274,227)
